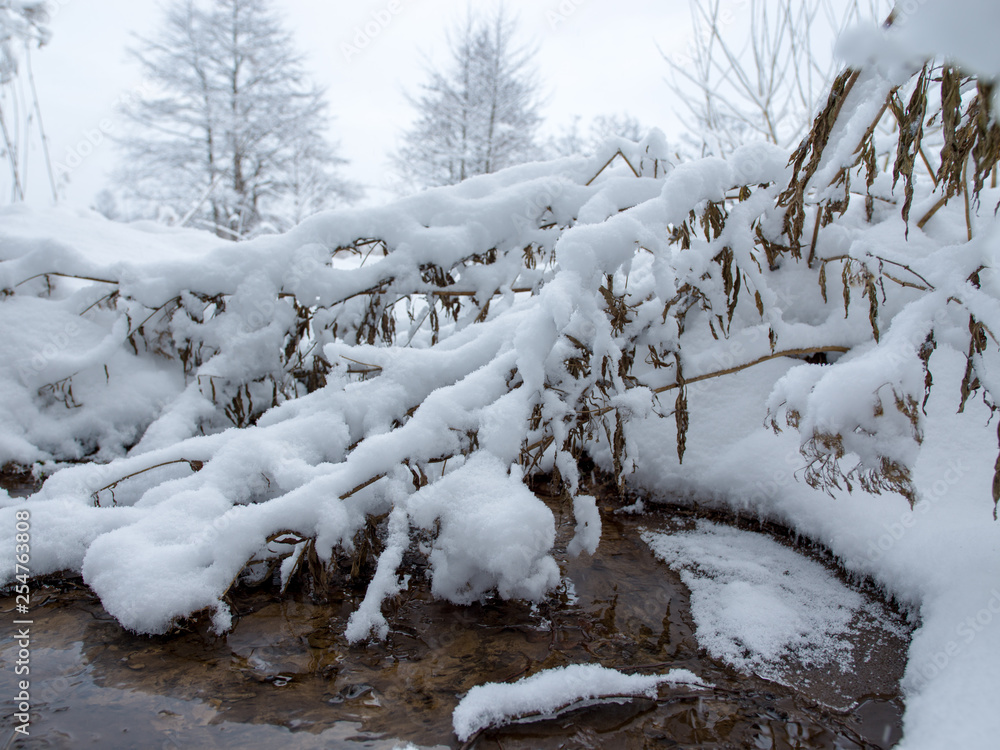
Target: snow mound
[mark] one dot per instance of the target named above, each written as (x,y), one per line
(494,534)
(548,692)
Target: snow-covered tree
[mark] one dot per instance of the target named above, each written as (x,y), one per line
(233,126)
(106,205)
(23,24)
(572,141)
(310,180)
(478,115)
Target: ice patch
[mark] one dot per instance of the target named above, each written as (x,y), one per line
(757,603)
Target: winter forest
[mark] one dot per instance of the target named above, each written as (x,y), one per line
(525,375)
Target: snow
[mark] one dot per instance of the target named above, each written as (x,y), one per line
(104,241)
(494,534)
(757,603)
(588,526)
(169,339)
(547,692)
(962,31)
(940,560)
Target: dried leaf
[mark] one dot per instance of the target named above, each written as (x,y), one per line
(996,479)
(872,291)
(846,278)
(911,134)
(683,419)
(812,147)
(926,350)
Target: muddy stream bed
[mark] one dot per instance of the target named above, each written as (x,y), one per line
(286,677)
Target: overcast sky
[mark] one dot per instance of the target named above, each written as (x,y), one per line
(594,57)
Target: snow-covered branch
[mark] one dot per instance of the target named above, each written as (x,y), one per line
(382,382)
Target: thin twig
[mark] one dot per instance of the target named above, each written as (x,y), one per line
(547,441)
(608,164)
(362,486)
(448,292)
(17,191)
(65,276)
(196,466)
(720,373)
(153,314)
(109,295)
(815,238)
(934,209)
(908,284)
(965,193)
(927,164)
(41,124)
(867,135)
(880,259)
(776,355)
(363,364)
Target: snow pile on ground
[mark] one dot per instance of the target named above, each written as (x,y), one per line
(547,693)
(69,389)
(756,602)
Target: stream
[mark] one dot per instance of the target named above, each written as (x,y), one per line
(286,677)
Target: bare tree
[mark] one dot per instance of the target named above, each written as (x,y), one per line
(23,24)
(234,123)
(757,69)
(481,114)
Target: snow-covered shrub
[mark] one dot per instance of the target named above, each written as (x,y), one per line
(23,24)
(20,21)
(396,373)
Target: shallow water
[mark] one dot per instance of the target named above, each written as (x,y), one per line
(18,483)
(285,676)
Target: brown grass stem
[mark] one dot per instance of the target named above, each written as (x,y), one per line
(196,466)
(65,276)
